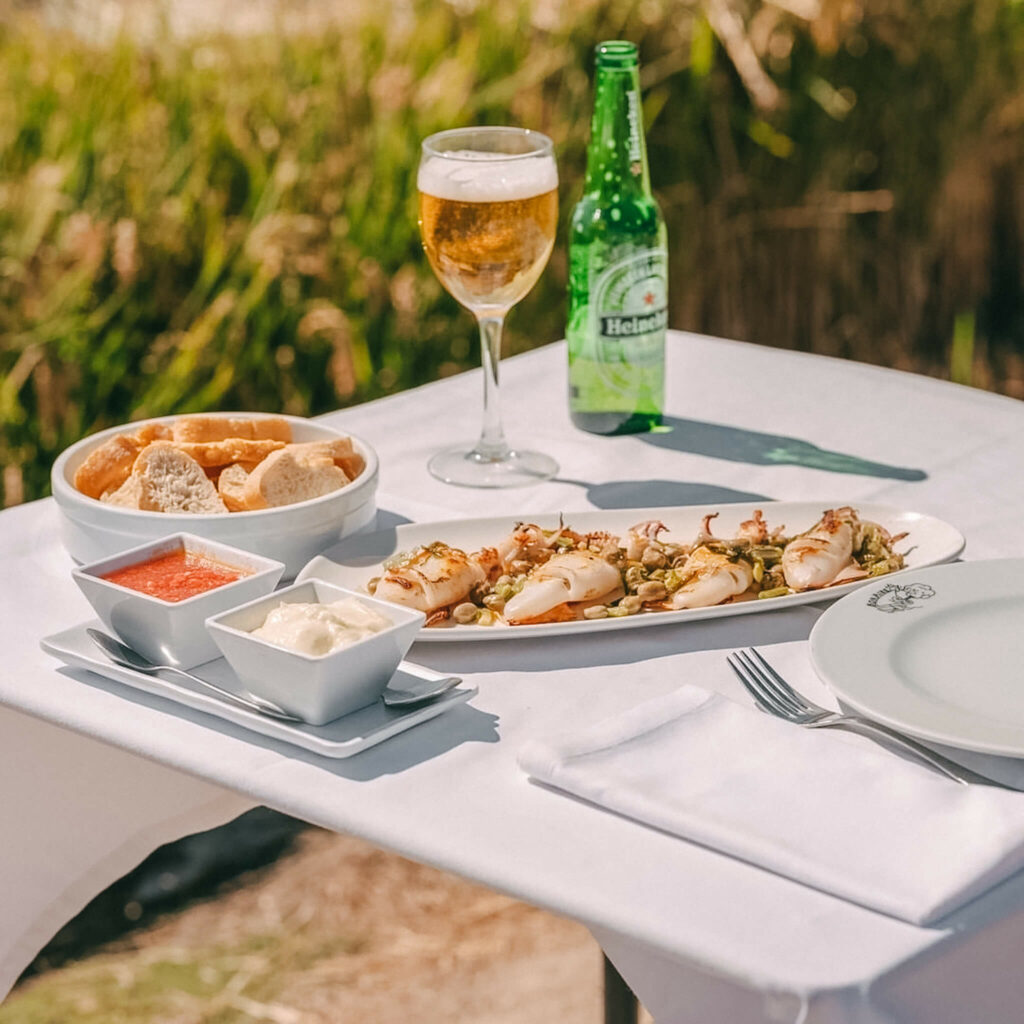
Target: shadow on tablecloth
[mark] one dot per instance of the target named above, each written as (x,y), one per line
(618,494)
(754,448)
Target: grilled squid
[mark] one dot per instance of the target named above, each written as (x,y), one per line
(711,578)
(756,530)
(642,537)
(431,578)
(816,558)
(563,579)
(528,545)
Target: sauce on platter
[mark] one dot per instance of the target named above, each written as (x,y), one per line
(176,576)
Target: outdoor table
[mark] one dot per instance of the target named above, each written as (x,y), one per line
(96,776)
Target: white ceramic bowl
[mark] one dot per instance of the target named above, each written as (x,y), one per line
(173,632)
(317,688)
(293,534)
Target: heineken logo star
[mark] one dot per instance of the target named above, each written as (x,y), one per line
(649,299)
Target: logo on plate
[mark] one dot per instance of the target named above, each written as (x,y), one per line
(894,597)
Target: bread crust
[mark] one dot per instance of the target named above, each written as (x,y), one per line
(352,465)
(340,450)
(200,429)
(108,466)
(231,449)
(231,486)
(150,432)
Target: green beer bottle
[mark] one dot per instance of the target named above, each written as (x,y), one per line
(618,265)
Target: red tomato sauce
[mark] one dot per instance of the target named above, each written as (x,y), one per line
(177,576)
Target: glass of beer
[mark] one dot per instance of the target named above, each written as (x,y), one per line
(488,211)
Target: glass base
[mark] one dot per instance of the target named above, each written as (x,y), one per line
(609,423)
(470,468)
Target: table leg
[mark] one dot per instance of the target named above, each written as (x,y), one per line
(620,1005)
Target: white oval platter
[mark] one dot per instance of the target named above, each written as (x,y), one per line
(355,560)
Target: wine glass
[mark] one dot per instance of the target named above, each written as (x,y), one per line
(488,211)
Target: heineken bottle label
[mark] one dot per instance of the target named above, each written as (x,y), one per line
(629,305)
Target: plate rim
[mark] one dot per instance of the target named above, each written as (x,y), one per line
(967,738)
(476,634)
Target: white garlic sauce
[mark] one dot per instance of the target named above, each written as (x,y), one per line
(318,629)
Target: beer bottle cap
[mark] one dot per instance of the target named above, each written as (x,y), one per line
(616,53)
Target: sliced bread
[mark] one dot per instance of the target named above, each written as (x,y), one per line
(108,466)
(125,496)
(283,479)
(231,486)
(172,481)
(231,449)
(340,450)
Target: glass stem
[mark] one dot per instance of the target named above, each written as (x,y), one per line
(492,444)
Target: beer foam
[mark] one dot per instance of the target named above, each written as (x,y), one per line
(471,177)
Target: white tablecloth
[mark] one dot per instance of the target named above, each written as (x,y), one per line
(699,936)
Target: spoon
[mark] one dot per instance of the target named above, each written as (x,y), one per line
(420,685)
(123,655)
(428,686)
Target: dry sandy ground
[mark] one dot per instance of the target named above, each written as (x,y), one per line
(340,931)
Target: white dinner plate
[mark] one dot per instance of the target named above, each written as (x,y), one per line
(343,737)
(353,561)
(938,653)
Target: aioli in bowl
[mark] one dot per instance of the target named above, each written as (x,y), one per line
(320,628)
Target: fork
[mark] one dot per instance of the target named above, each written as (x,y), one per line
(774,695)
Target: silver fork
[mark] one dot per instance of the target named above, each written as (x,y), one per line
(774,695)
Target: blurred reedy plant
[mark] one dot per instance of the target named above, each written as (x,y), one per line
(230,222)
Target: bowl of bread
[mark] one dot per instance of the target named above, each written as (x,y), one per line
(279,486)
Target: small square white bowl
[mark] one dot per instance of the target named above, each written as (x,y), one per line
(173,632)
(319,688)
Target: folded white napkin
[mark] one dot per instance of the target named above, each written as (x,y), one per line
(823,807)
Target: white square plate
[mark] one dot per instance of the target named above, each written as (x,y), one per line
(341,738)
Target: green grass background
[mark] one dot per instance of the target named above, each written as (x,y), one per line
(230,222)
